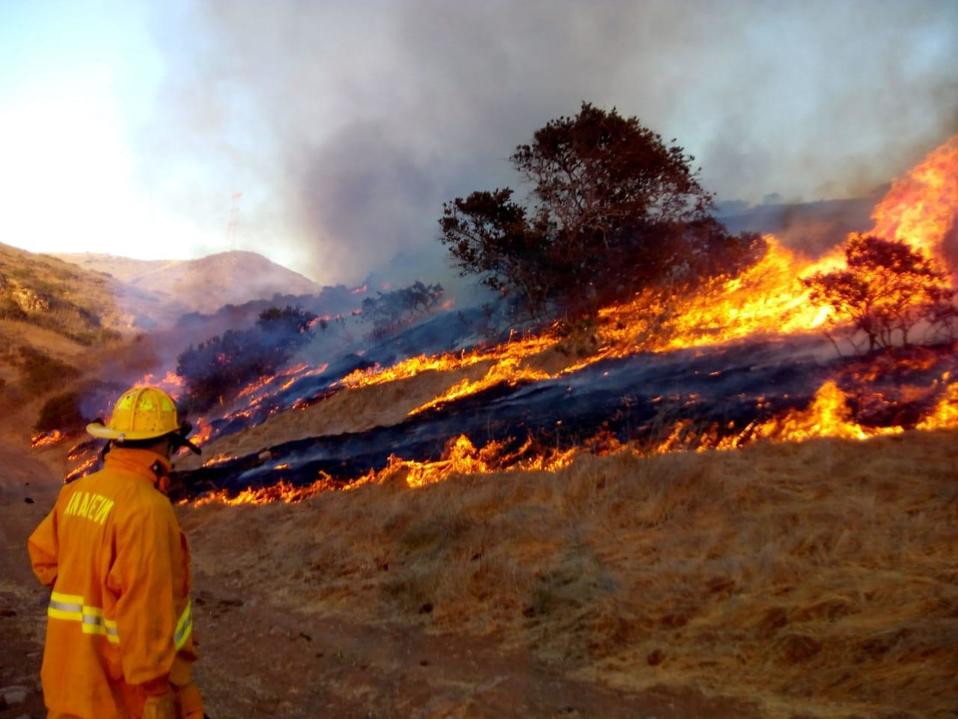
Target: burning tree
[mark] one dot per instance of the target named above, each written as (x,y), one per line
(885,288)
(216,368)
(616,210)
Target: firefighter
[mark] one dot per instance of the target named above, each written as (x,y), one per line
(119,641)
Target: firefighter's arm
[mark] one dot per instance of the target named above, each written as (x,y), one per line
(44,549)
(142,576)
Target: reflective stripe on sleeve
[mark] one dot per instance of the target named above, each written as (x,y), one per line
(184,627)
(65,606)
(70,607)
(95,624)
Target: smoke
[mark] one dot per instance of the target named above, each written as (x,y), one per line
(347,125)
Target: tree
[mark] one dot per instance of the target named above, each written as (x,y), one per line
(613,209)
(885,288)
(391,311)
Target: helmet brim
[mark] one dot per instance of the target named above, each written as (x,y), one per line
(101,431)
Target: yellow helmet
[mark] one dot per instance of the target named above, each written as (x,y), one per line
(140,413)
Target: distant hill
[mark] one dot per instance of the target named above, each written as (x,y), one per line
(71,301)
(202,285)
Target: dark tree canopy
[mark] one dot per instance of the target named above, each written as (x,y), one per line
(612,209)
(886,290)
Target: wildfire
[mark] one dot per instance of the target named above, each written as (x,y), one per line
(828,416)
(507,370)
(512,350)
(921,207)
(83,468)
(203,433)
(945,414)
(46,439)
(460,457)
(767,299)
(282,491)
(217,459)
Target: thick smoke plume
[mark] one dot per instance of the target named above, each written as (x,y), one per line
(346,125)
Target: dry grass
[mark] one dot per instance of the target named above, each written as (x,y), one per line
(818,579)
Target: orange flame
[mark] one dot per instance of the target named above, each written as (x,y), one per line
(945,414)
(203,433)
(828,416)
(515,349)
(507,370)
(922,206)
(46,439)
(282,491)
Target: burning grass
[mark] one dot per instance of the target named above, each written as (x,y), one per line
(817,578)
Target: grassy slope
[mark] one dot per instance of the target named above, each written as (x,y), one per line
(81,304)
(819,579)
(72,316)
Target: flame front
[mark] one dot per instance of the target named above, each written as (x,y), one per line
(920,209)
(945,414)
(767,299)
(828,416)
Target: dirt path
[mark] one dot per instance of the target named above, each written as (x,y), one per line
(259,660)
(27,490)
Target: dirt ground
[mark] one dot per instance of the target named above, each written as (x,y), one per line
(262,659)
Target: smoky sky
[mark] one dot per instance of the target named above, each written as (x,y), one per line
(346,125)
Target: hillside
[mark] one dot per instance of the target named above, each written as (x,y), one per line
(50,293)
(205,284)
(62,323)
(811,580)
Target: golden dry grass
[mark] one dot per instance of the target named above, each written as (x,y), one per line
(818,579)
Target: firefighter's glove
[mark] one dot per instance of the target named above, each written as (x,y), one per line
(189,702)
(160,707)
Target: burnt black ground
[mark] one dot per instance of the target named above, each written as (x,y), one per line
(640,397)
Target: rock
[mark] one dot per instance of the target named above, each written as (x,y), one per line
(29,301)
